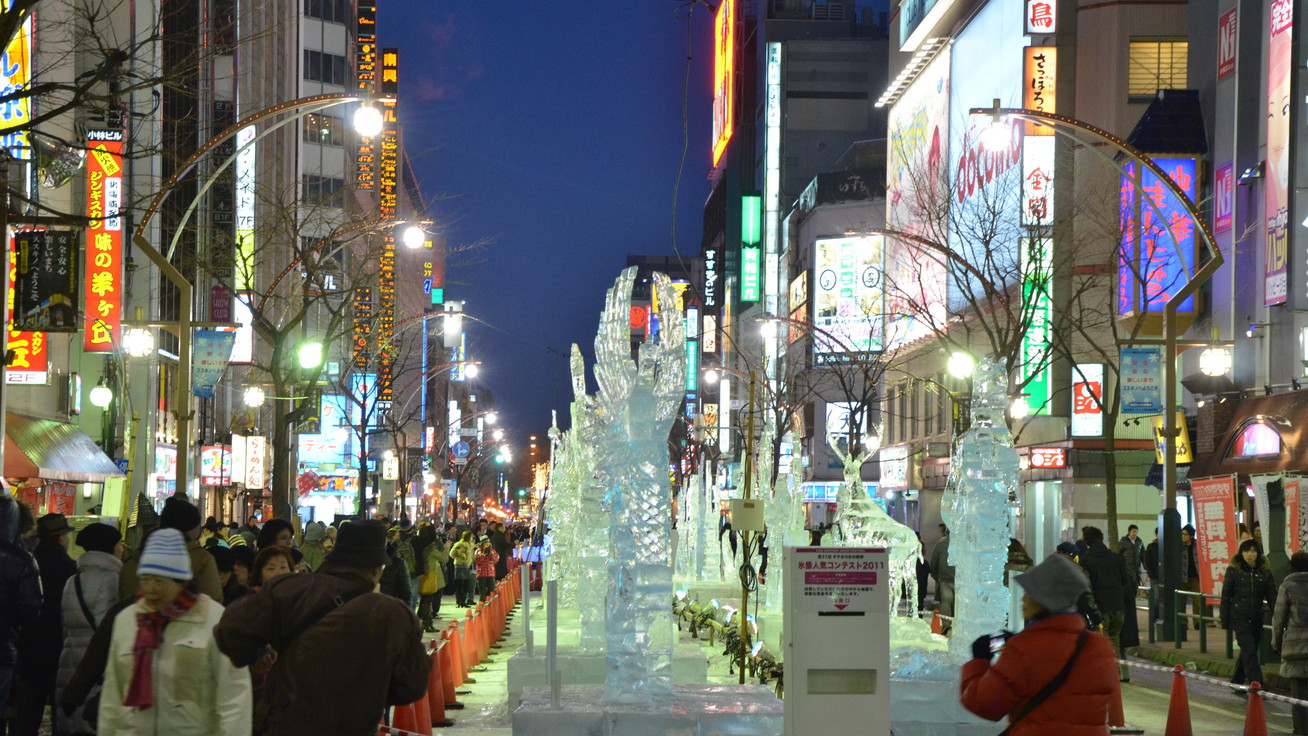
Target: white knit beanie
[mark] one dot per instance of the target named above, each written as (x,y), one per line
(165,556)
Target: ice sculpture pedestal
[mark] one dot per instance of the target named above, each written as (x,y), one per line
(689,667)
(931,708)
(692,710)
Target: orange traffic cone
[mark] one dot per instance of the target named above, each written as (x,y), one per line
(1116,717)
(1178,708)
(422,716)
(405,718)
(445,662)
(436,692)
(935,621)
(456,657)
(1255,719)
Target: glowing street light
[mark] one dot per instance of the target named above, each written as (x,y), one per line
(368,120)
(961,364)
(310,355)
(101,396)
(1215,361)
(253,396)
(138,342)
(413,237)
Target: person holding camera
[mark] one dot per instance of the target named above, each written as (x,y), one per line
(1031,681)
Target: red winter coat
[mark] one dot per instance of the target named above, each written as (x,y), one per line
(1029,661)
(485,563)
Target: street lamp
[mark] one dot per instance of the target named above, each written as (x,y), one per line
(254,397)
(368,120)
(310,355)
(961,364)
(413,237)
(138,342)
(101,396)
(1215,361)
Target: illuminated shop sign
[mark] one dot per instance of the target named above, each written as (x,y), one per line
(30,360)
(1041,17)
(848,308)
(365,75)
(387,190)
(1276,194)
(1154,265)
(1088,400)
(724,72)
(751,261)
(1048,458)
(1037,264)
(104,241)
(772,165)
(15,75)
(245,166)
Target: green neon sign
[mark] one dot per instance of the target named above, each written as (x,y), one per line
(751,273)
(751,218)
(1037,263)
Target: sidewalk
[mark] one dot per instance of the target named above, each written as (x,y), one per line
(1214,661)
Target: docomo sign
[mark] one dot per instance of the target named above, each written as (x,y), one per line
(978,166)
(104,241)
(1048,458)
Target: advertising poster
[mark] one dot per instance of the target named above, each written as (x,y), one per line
(210,351)
(31,358)
(840,579)
(1226,43)
(1276,197)
(848,301)
(1293,525)
(918,175)
(1142,380)
(1224,198)
(61,498)
(1216,537)
(1156,267)
(45,281)
(104,241)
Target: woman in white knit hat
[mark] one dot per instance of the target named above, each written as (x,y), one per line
(165,673)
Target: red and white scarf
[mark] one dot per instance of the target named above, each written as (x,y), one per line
(149,635)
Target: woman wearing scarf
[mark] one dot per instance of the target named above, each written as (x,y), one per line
(165,673)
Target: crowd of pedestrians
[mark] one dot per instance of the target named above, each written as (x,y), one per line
(212,628)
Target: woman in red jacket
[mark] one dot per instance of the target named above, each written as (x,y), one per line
(1034,682)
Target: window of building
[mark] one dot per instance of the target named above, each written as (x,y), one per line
(325,130)
(323,190)
(324,67)
(1156,63)
(332,11)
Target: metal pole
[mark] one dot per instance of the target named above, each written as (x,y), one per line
(743,625)
(525,571)
(183,396)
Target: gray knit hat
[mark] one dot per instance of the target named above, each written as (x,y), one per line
(1056,583)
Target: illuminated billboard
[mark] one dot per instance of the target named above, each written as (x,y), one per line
(15,75)
(1158,237)
(387,190)
(1276,200)
(30,360)
(365,77)
(245,161)
(104,241)
(848,295)
(724,73)
(1037,262)
(751,261)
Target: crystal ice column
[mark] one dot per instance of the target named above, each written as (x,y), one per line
(976,510)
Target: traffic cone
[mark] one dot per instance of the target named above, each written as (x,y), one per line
(935,621)
(457,661)
(405,718)
(422,716)
(1116,718)
(445,661)
(436,692)
(1178,708)
(1255,719)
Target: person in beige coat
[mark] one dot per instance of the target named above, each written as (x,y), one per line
(165,673)
(180,514)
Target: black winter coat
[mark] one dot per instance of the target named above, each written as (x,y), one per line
(43,639)
(1109,579)
(20,587)
(1244,591)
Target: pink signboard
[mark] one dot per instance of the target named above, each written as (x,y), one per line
(1214,514)
(1224,198)
(1226,44)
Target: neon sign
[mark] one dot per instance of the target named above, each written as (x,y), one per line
(104,241)
(724,72)
(1153,268)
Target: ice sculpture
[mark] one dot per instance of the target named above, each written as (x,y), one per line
(865,524)
(700,510)
(975,508)
(573,471)
(591,540)
(634,409)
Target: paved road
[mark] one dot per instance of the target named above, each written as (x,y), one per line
(1214,709)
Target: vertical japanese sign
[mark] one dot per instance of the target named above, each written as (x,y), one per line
(46,281)
(849,299)
(1037,264)
(365,76)
(1184,450)
(245,167)
(1040,79)
(1276,197)
(16,75)
(31,359)
(1142,380)
(1041,17)
(1293,537)
(1214,513)
(104,240)
(1224,198)
(1227,28)
(724,76)
(751,261)
(1158,238)
(1088,400)
(256,452)
(387,188)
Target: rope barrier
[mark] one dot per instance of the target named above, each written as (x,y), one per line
(1210,679)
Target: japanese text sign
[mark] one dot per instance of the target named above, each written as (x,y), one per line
(1227,27)
(1141,380)
(45,282)
(1040,78)
(1214,514)
(1158,237)
(1048,458)
(16,75)
(1088,400)
(31,359)
(104,241)
(1041,17)
(840,579)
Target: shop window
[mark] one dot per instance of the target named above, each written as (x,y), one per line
(1154,64)
(325,130)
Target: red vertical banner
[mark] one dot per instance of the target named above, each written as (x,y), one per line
(61,498)
(104,241)
(1216,539)
(1293,526)
(31,360)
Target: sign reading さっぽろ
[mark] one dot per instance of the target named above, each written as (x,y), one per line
(104,241)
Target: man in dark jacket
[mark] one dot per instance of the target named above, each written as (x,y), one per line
(20,593)
(501,544)
(943,571)
(1109,581)
(344,652)
(43,639)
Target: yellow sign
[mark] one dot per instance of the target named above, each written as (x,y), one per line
(1183,450)
(1041,75)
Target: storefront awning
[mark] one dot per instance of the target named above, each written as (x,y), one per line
(1265,434)
(43,448)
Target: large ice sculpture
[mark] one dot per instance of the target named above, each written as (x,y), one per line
(865,524)
(636,404)
(975,507)
(591,541)
(573,498)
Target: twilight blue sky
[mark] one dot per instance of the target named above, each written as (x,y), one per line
(552,132)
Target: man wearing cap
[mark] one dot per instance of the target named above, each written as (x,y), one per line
(344,652)
(1055,650)
(20,592)
(40,643)
(180,514)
